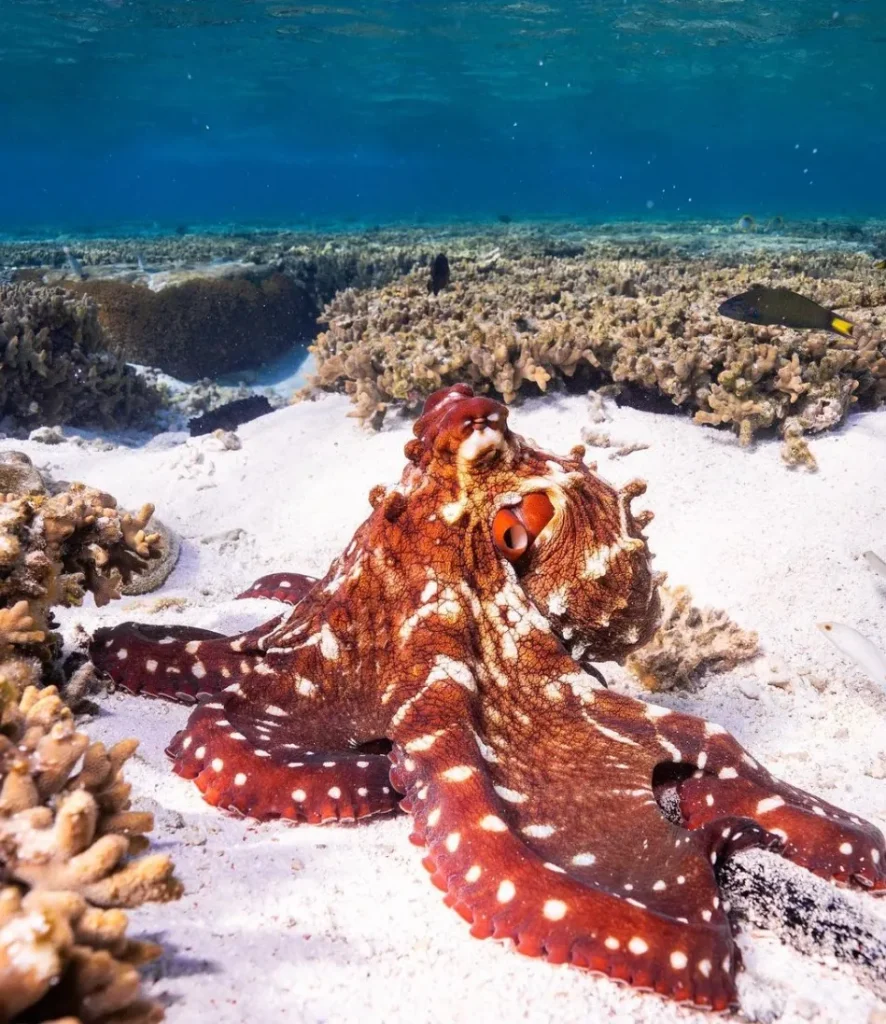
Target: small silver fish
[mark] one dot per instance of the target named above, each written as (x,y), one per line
(73,263)
(875,562)
(858,648)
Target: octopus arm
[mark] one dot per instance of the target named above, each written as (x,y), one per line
(722,779)
(505,886)
(286,587)
(249,757)
(178,663)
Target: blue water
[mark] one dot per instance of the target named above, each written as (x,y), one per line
(134,112)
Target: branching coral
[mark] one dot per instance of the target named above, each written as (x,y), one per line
(648,325)
(67,839)
(55,548)
(689,640)
(54,367)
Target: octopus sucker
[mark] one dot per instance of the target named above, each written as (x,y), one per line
(430,669)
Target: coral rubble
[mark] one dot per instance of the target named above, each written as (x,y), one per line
(55,368)
(689,640)
(648,325)
(68,846)
(53,549)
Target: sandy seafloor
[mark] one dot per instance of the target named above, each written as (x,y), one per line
(341,923)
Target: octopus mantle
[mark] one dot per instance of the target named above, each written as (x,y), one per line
(445,664)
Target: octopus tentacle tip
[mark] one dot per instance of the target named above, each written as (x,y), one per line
(444,665)
(286,587)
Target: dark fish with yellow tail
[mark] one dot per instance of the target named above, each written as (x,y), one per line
(784,308)
(439,278)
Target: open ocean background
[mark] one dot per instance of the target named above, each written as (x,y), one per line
(133,113)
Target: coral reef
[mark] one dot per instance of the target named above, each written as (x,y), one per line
(55,368)
(689,641)
(647,325)
(55,548)
(68,841)
(371,256)
(203,323)
(631,305)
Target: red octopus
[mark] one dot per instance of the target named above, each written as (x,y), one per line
(445,664)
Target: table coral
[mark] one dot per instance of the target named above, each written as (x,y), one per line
(648,325)
(54,365)
(67,843)
(53,549)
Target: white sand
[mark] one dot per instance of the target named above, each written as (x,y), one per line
(341,923)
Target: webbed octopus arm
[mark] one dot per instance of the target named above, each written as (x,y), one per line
(248,757)
(522,834)
(286,587)
(528,840)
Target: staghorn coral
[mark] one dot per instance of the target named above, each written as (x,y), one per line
(55,548)
(648,325)
(67,842)
(689,640)
(54,366)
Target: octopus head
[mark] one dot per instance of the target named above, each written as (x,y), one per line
(555,528)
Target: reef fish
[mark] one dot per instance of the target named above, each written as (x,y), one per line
(230,415)
(783,307)
(73,263)
(439,273)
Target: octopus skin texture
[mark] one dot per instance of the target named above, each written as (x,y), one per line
(444,665)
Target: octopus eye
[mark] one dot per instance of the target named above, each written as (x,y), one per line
(515,529)
(537,511)
(509,534)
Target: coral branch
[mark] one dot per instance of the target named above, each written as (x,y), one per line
(67,839)
(55,548)
(56,368)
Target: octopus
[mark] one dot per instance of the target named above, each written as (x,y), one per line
(446,665)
